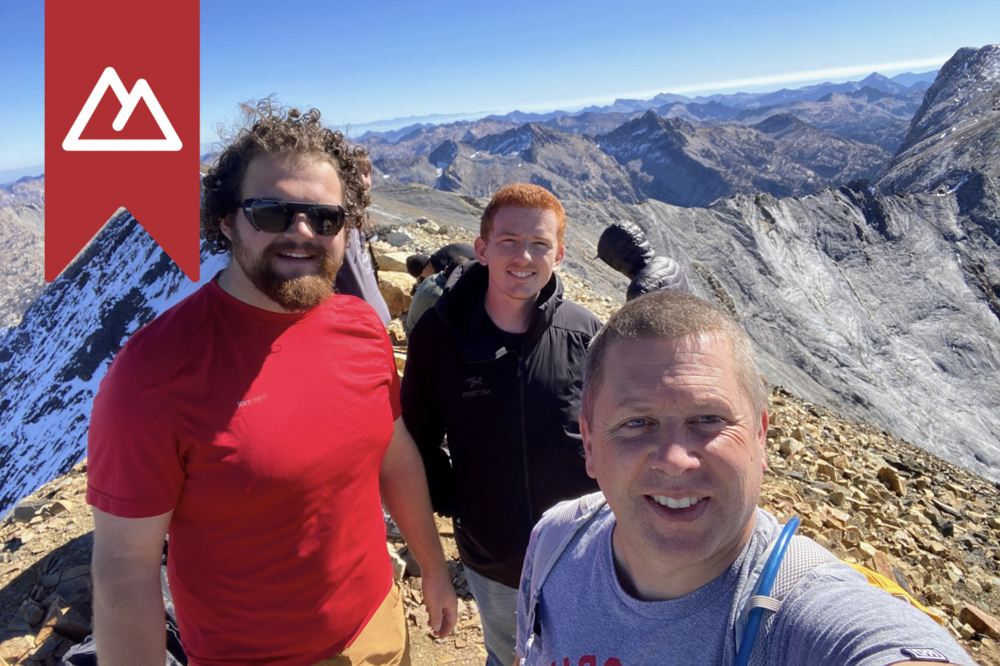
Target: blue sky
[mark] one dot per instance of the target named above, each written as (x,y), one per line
(366,61)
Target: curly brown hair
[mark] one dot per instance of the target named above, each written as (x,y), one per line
(362,159)
(268,128)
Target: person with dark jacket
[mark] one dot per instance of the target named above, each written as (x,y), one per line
(428,292)
(497,366)
(624,247)
(424,265)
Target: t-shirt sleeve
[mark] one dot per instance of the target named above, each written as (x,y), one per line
(834,617)
(135,465)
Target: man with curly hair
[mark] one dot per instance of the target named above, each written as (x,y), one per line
(257,420)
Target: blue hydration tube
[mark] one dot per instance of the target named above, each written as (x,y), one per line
(763,589)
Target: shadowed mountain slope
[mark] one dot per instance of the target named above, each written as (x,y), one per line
(679,163)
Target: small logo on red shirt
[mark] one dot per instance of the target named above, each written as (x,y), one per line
(252,401)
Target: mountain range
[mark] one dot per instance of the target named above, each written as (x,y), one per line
(899,83)
(683,151)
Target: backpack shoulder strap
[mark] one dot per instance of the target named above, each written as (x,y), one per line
(802,556)
(561,524)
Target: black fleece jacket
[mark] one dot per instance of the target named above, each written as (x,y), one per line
(510,416)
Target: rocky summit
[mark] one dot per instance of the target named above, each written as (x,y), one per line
(866,496)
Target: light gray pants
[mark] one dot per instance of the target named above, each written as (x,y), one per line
(498,612)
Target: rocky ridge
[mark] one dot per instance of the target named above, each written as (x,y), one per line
(422,140)
(956,129)
(666,158)
(721,104)
(570,165)
(864,495)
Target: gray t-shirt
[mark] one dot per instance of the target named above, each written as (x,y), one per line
(833,616)
(356,277)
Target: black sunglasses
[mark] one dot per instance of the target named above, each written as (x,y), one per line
(276,217)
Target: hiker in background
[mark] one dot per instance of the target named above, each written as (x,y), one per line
(497,365)
(257,420)
(358,275)
(428,293)
(624,247)
(422,266)
(674,423)
(419,266)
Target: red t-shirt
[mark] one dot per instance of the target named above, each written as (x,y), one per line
(264,433)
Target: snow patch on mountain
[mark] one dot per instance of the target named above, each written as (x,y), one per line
(52,363)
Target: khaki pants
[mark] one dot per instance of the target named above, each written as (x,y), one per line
(383,642)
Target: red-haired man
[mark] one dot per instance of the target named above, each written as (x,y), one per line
(498,368)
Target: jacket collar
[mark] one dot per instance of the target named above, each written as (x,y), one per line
(462,309)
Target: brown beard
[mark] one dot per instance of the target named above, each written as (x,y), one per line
(295,294)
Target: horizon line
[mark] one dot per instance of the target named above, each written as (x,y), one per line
(716,87)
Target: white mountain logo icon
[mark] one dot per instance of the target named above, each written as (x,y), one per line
(129,100)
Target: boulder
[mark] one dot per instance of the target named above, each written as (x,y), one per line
(391,261)
(981,621)
(397,239)
(890,477)
(396,288)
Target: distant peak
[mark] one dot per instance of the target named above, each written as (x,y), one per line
(874,76)
(780,122)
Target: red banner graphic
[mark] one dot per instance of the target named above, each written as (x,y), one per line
(121,124)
